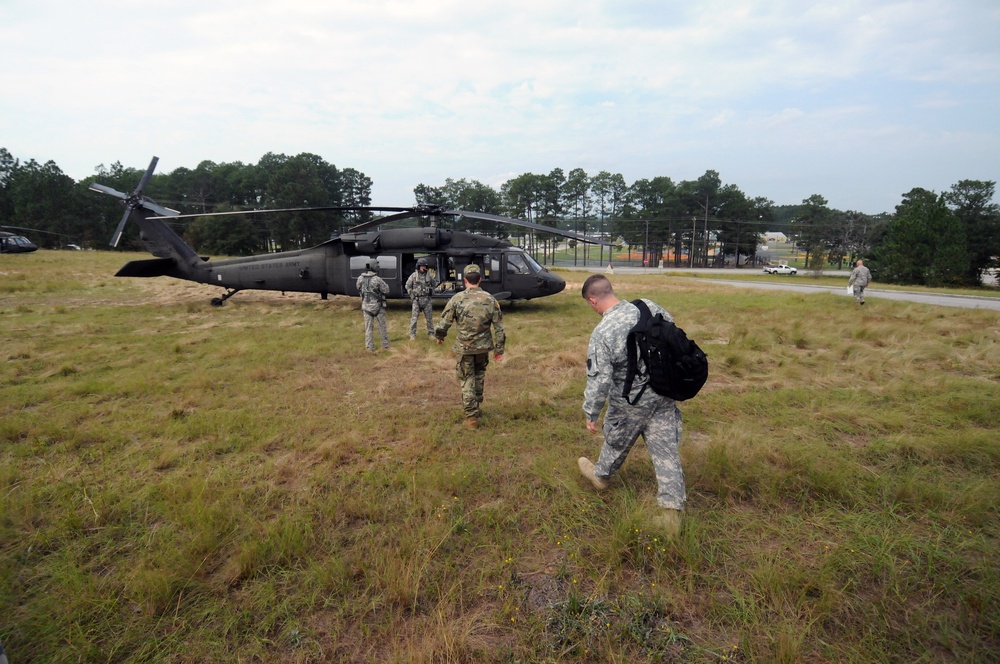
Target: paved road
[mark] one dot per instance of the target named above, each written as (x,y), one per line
(788,284)
(966,301)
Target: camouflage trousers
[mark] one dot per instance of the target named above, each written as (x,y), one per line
(370,329)
(660,426)
(418,305)
(471,372)
(859,293)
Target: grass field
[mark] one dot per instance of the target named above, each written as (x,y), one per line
(182,483)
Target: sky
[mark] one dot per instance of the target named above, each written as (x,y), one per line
(857,101)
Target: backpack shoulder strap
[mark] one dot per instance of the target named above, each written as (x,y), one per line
(632,344)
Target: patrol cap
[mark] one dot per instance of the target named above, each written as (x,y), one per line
(470,269)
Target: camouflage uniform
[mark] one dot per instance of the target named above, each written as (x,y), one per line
(861,276)
(655,417)
(419,286)
(474,311)
(373,291)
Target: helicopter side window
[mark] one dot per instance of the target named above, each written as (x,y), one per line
(517,265)
(492,267)
(358,265)
(388,266)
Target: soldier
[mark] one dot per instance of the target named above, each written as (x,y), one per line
(860,277)
(474,311)
(655,417)
(373,291)
(419,287)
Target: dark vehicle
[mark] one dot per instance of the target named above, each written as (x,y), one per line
(15,244)
(333,267)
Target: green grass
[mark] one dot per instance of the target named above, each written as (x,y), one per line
(181,483)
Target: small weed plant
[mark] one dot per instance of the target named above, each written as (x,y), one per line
(183,483)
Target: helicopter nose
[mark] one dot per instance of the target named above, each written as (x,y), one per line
(550,284)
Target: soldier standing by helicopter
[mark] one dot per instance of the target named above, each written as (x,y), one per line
(475,312)
(373,291)
(419,287)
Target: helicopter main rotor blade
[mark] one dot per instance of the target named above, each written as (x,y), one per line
(403,213)
(321,208)
(526,224)
(407,214)
(438,211)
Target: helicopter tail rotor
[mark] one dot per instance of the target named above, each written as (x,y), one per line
(135,200)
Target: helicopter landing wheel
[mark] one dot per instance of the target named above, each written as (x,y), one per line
(219,301)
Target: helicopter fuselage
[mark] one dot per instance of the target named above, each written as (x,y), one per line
(334,266)
(15,244)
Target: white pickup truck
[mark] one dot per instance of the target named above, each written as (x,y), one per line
(780,269)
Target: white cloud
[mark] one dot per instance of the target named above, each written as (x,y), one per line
(416,92)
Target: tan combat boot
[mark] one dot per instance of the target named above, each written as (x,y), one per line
(470,423)
(587,470)
(670,522)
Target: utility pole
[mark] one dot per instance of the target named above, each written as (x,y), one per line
(645,247)
(705,254)
(694,224)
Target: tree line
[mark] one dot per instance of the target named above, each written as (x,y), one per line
(932,239)
(41,197)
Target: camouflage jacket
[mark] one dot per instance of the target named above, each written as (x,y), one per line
(421,285)
(860,276)
(607,360)
(373,291)
(473,312)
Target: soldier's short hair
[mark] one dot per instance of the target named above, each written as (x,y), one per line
(597,285)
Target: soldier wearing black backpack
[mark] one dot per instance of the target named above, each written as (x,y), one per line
(636,412)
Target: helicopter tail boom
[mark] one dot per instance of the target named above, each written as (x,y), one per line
(153,267)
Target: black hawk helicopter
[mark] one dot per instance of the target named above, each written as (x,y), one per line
(15,244)
(333,267)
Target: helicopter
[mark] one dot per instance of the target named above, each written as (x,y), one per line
(333,267)
(15,244)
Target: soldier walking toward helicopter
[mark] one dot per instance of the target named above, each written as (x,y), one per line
(476,315)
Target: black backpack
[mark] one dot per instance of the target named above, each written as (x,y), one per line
(675,366)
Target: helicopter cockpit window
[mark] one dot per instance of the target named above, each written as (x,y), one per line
(518,264)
